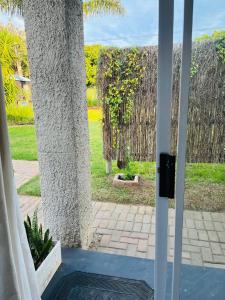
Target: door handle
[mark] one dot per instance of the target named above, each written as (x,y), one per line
(167,175)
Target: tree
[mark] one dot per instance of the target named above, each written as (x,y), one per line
(90,7)
(215,36)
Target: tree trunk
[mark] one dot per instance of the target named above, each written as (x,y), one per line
(55,48)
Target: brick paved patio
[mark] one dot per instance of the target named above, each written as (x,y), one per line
(24,170)
(130,229)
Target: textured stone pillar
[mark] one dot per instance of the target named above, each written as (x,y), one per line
(54,31)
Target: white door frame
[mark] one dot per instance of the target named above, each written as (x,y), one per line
(163,125)
(163,133)
(181,143)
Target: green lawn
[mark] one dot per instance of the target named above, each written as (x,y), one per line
(205,183)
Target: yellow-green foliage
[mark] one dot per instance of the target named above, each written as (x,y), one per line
(92,97)
(91,53)
(94,114)
(19,115)
(13,59)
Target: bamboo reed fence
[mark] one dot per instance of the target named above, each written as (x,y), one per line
(206,115)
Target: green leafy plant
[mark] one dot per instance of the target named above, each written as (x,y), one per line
(128,175)
(124,70)
(39,242)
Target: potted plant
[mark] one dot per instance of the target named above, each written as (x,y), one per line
(127,178)
(45,252)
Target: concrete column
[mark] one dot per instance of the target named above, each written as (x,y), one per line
(54,31)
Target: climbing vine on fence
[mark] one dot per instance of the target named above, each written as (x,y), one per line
(124,71)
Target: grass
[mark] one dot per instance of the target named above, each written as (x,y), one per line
(92,97)
(19,115)
(205,183)
(23,142)
(31,188)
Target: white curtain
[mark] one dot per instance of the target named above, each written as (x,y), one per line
(17,274)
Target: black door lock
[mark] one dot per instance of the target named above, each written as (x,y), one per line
(167,175)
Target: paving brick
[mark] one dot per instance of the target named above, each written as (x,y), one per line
(125,233)
(146,228)
(171,221)
(119,251)
(151,240)
(112,224)
(142,245)
(129,240)
(199,243)
(148,210)
(103,223)
(186,255)
(151,252)
(215,248)
(104,231)
(120,225)
(171,230)
(202,235)
(118,245)
(196,259)
(137,227)
(104,242)
(213,236)
(140,254)
(197,215)
(153,228)
(171,242)
(139,235)
(217,217)
(138,218)
(131,250)
(186,261)
(106,250)
(211,265)
(192,234)
(207,254)
(130,217)
(128,226)
(184,232)
(133,209)
(115,237)
(219,259)
(153,219)
(123,216)
(221,236)
(206,216)
(199,224)
(190,223)
(141,210)
(146,219)
(209,225)
(218,226)
(190,248)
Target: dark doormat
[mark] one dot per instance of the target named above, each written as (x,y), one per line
(87,286)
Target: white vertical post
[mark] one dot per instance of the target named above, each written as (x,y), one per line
(163,123)
(181,144)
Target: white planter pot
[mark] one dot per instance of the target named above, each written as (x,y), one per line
(48,267)
(125,183)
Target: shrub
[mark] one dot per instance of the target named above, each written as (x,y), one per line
(40,243)
(19,115)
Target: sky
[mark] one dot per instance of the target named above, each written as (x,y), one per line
(139,25)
